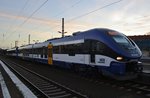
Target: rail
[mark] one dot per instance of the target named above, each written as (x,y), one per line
(43,87)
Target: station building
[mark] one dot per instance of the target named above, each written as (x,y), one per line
(143,41)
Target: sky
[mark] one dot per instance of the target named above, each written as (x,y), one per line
(41,19)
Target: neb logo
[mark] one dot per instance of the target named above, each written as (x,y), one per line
(101,60)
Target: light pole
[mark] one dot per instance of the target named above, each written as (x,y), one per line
(62,32)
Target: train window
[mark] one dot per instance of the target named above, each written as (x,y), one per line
(71,49)
(29,51)
(59,51)
(101,47)
(120,39)
(56,49)
(93,46)
(78,48)
(63,49)
(35,51)
(123,41)
(40,51)
(86,46)
(132,42)
(45,56)
(45,52)
(41,55)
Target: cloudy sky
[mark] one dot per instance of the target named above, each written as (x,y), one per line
(42,18)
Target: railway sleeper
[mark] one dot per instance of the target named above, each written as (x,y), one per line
(64,96)
(52,91)
(43,87)
(57,93)
(44,84)
(39,82)
(51,88)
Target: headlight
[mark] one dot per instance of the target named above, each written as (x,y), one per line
(119,58)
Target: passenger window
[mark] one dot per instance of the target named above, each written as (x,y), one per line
(98,46)
(41,55)
(45,55)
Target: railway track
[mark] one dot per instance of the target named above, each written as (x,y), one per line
(42,86)
(129,87)
(138,86)
(141,87)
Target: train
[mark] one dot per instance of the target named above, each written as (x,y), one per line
(106,51)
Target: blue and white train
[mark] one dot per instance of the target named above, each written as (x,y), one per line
(107,51)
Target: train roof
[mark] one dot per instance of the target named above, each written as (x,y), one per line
(43,44)
(95,34)
(77,37)
(37,45)
(26,46)
(12,49)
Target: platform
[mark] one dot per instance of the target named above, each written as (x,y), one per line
(11,86)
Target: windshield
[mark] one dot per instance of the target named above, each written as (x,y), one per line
(123,41)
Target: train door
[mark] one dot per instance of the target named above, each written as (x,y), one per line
(92,58)
(92,51)
(50,54)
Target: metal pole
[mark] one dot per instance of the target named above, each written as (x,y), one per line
(16,43)
(29,39)
(3,36)
(62,27)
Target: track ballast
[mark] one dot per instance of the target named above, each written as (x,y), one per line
(43,87)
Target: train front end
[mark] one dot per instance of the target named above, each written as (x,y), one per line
(126,64)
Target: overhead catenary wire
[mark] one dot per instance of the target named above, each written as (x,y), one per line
(18,15)
(85,14)
(73,5)
(11,24)
(72,18)
(29,17)
(65,10)
(33,13)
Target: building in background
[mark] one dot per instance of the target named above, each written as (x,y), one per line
(143,41)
